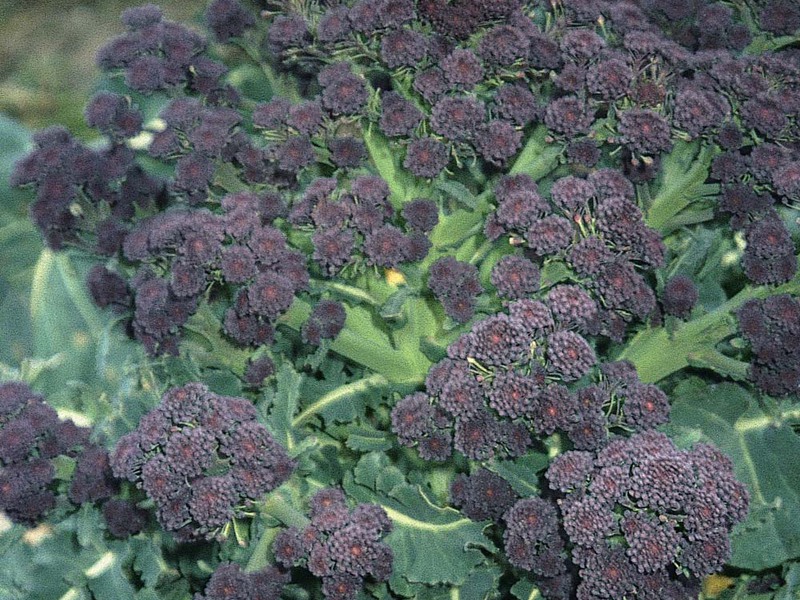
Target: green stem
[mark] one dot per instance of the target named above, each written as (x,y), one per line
(767,43)
(400,182)
(205,324)
(351,292)
(72,284)
(342,392)
(78,294)
(456,229)
(261,555)
(688,218)
(712,359)
(277,507)
(657,354)
(363,343)
(227,177)
(643,194)
(238,533)
(407,521)
(279,86)
(538,157)
(481,252)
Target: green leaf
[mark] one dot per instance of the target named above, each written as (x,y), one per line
(14,143)
(209,347)
(458,191)
(554,272)
(20,245)
(481,584)
(344,403)
(702,255)
(791,589)
(367,439)
(385,157)
(433,350)
(431,544)
(525,589)
(759,445)
(455,227)
(765,43)
(71,560)
(365,343)
(87,523)
(521,472)
(682,181)
(65,321)
(392,309)
(64,466)
(376,472)
(538,157)
(107,581)
(284,405)
(251,81)
(149,561)
(421,321)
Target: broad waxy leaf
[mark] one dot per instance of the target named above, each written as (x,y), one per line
(75,560)
(521,472)
(525,589)
(368,439)
(481,584)
(431,544)
(20,244)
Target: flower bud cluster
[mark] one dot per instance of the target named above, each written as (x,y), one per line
(772,326)
(594,226)
(339,545)
(31,436)
(201,458)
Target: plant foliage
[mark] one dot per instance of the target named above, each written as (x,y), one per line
(410,299)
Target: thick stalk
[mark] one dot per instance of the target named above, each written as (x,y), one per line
(260,557)
(718,362)
(354,293)
(278,508)
(688,218)
(657,353)
(538,157)
(363,343)
(402,184)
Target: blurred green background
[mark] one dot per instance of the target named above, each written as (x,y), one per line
(47,54)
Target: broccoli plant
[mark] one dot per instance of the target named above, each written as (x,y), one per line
(412,299)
